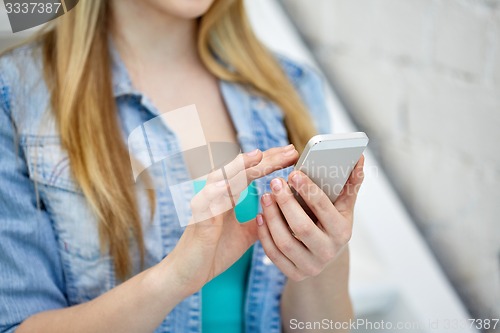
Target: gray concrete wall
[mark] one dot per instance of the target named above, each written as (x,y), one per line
(422,78)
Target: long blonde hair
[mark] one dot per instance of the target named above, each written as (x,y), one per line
(77,70)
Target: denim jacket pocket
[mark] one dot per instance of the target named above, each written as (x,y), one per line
(48,163)
(88,271)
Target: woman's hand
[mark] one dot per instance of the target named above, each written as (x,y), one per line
(214,239)
(296,244)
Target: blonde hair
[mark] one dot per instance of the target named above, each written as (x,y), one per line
(77,70)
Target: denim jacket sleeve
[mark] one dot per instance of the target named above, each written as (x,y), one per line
(31,278)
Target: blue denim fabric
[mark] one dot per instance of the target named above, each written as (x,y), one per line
(49,245)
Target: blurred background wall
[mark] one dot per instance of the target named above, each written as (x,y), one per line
(422,78)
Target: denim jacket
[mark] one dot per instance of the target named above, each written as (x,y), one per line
(49,246)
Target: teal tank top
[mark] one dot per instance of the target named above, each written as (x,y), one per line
(223,298)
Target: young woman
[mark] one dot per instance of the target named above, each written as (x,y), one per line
(83,250)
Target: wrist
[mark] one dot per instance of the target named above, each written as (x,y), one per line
(334,277)
(165,281)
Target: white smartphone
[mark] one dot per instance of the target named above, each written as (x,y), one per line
(329,160)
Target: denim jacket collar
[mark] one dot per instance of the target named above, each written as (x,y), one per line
(235,97)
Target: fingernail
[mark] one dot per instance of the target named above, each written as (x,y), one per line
(276,185)
(290,146)
(296,178)
(253,152)
(260,220)
(266,200)
(289,152)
